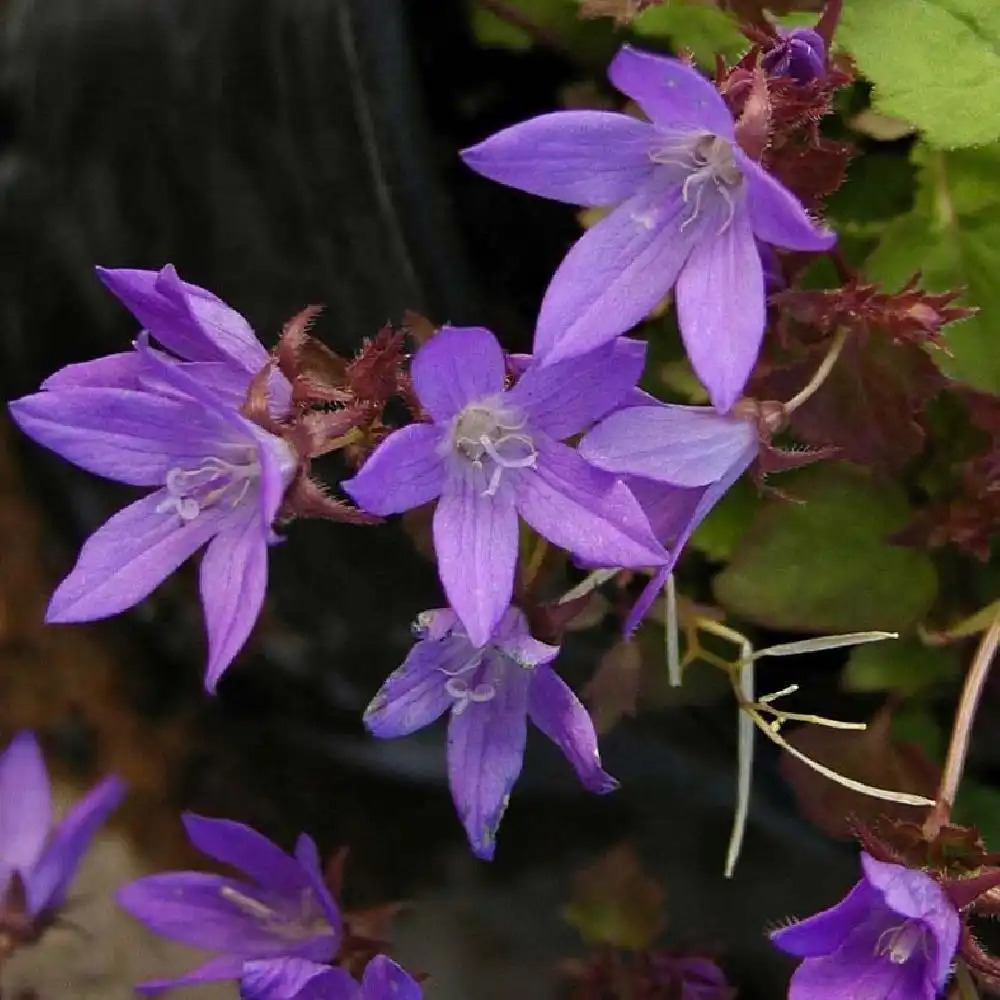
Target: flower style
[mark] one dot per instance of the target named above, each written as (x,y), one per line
(489,691)
(689,204)
(220,480)
(678,462)
(284,910)
(892,938)
(37,862)
(492,454)
(799,53)
(300,979)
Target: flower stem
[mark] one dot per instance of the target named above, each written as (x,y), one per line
(821,373)
(958,747)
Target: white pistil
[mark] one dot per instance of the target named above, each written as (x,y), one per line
(489,437)
(190,491)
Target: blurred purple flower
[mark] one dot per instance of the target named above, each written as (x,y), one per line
(689,203)
(799,53)
(492,454)
(37,862)
(489,692)
(300,979)
(690,977)
(220,481)
(678,462)
(284,910)
(892,938)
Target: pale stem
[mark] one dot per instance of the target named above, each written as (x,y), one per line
(673,647)
(595,579)
(744,778)
(821,373)
(958,747)
(966,984)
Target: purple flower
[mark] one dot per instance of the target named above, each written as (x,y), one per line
(300,979)
(678,462)
(37,862)
(489,691)
(283,910)
(492,454)
(690,977)
(799,53)
(220,480)
(892,938)
(689,206)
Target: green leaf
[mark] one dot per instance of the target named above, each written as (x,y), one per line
(935,63)
(952,236)
(702,29)
(590,41)
(727,522)
(979,806)
(905,666)
(826,564)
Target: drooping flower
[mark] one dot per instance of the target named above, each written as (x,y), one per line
(892,938)
(689,204)
(492,454)
(300,979)
(282,910)
(489,691)
(678,461)
(220,480)
(37,861)
(799,53)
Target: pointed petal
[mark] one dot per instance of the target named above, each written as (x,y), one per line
(485,753)
(214,970)
(585,511)
(114,371)
(457,366)
(233,581)
(615,274)
(669,508)
(673,94)
(130,436)
(824,932)
(777,215)
(563,398)
(25,803)
(307,855)
(580,157)
(679,445)
(475,538)
(385,980)
(295,979)
(414,695)
(559,714)
(404,471)
(128,557)
(245,849)
(515,641)
(49,881)
(720,308)
(226,383)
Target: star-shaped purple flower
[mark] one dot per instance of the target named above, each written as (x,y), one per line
(892,938)
(492,454)
(284,909)
(300,979)
(219,480)
(37,862)
(489,692)
(689,204)
(678,462)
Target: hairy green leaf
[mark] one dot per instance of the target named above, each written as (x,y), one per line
(702,29)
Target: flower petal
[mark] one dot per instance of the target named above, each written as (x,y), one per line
(404,471)
(485,752)
(559,714)
(475,539)
(673,94)
(50,879)
(584,510)
(823,933)
(295,979)
(580,157)
(25,803)
(383,979)
(128,557)
(414,694)
(307,855)
(720,309)
(214,970)
(679,445)
(457,366)
(563,398)
(615,274)
(668,508)
(114,371)
(776,215)
(514,639)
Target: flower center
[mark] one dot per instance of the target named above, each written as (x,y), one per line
(491,438)
(899,943)
(190,491)
(283,919)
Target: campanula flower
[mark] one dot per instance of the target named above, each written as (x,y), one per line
(282,909)
(491,454)
(799,53)
(489,691)
(219,480)
(300,979)
(892,938)
(678,462)
(38,861)
(687,206)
